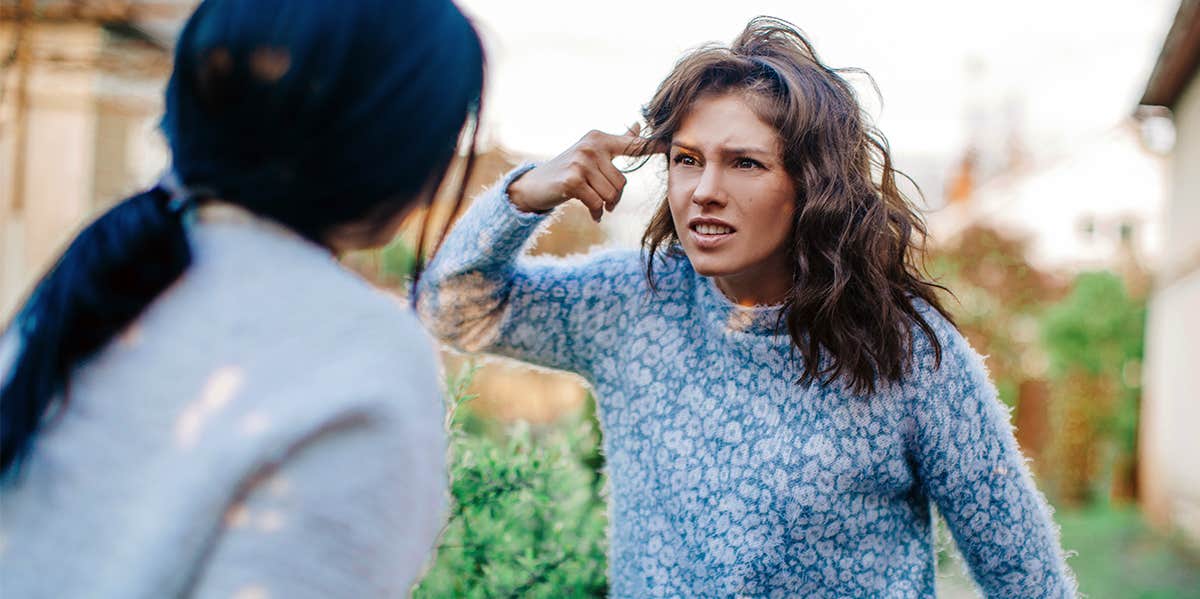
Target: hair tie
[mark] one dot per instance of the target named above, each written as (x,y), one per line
(178,205)
(182,197)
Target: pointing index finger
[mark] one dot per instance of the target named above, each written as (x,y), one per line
(629,145)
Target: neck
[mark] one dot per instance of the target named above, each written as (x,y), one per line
(765,285)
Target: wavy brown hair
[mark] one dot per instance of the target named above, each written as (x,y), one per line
(857,242)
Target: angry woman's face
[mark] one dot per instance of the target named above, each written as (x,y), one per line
(731,199)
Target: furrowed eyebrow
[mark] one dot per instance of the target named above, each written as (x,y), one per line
(726,151)
(758,151)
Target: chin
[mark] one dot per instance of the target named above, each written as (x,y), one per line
(709,267)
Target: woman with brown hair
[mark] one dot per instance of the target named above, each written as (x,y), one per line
(783,397)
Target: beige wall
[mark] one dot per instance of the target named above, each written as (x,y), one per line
(9,233)
(83,138)
(1183,223)
(1170,433)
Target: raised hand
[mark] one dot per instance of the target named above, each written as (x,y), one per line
(584,171)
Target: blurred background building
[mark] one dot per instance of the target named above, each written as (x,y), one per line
(1097,204)
(1170,443)
(80,94)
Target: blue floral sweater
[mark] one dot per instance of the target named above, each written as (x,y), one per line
(727,478)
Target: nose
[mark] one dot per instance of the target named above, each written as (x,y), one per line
(709,191)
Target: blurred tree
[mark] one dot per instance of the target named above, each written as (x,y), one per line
(1094,338)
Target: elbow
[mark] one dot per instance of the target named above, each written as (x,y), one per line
(463,316)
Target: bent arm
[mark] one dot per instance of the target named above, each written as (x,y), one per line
(479,294)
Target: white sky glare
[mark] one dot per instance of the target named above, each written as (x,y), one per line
(1069,68)
(1057,72)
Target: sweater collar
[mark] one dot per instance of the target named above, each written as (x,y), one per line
(733,318)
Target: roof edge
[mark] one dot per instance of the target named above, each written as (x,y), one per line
(1178,60)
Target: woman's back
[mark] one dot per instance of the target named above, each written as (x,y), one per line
(269,423)
(217,409)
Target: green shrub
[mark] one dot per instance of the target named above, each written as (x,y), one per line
(528,517)
(1094,339)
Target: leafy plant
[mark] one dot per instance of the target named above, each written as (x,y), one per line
(528,517)
(1094,339)
(396,262)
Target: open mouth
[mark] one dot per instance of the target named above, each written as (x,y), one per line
(710,234)
(707,229)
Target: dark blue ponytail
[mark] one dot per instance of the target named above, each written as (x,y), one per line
(309,112)
(101,283)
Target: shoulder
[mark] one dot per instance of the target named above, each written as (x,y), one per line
(949,381)
(373,345)
(945,356)
(303,321)
(363,363)
(630,274)
(609,272)
(621,263)
(643,274)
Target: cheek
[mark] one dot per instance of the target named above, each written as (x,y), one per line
(678,198)
(781,232)
(772,220)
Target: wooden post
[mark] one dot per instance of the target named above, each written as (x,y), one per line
(24,62)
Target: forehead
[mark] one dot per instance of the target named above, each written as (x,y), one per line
(714,123)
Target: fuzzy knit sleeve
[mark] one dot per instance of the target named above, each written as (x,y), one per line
(969,464)
(481,294)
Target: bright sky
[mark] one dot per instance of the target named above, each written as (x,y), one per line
(1062,70)
(562,67)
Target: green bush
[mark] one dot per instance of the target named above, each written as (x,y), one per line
(1094,339)
(396,262)
(528,516)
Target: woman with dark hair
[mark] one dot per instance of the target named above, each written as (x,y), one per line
(197,399)
(783,397)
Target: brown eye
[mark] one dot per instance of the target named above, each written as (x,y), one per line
(684,159)
(747,163)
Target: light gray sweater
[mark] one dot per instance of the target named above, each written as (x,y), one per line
(269,427)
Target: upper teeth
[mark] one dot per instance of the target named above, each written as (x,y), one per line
(705,229)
